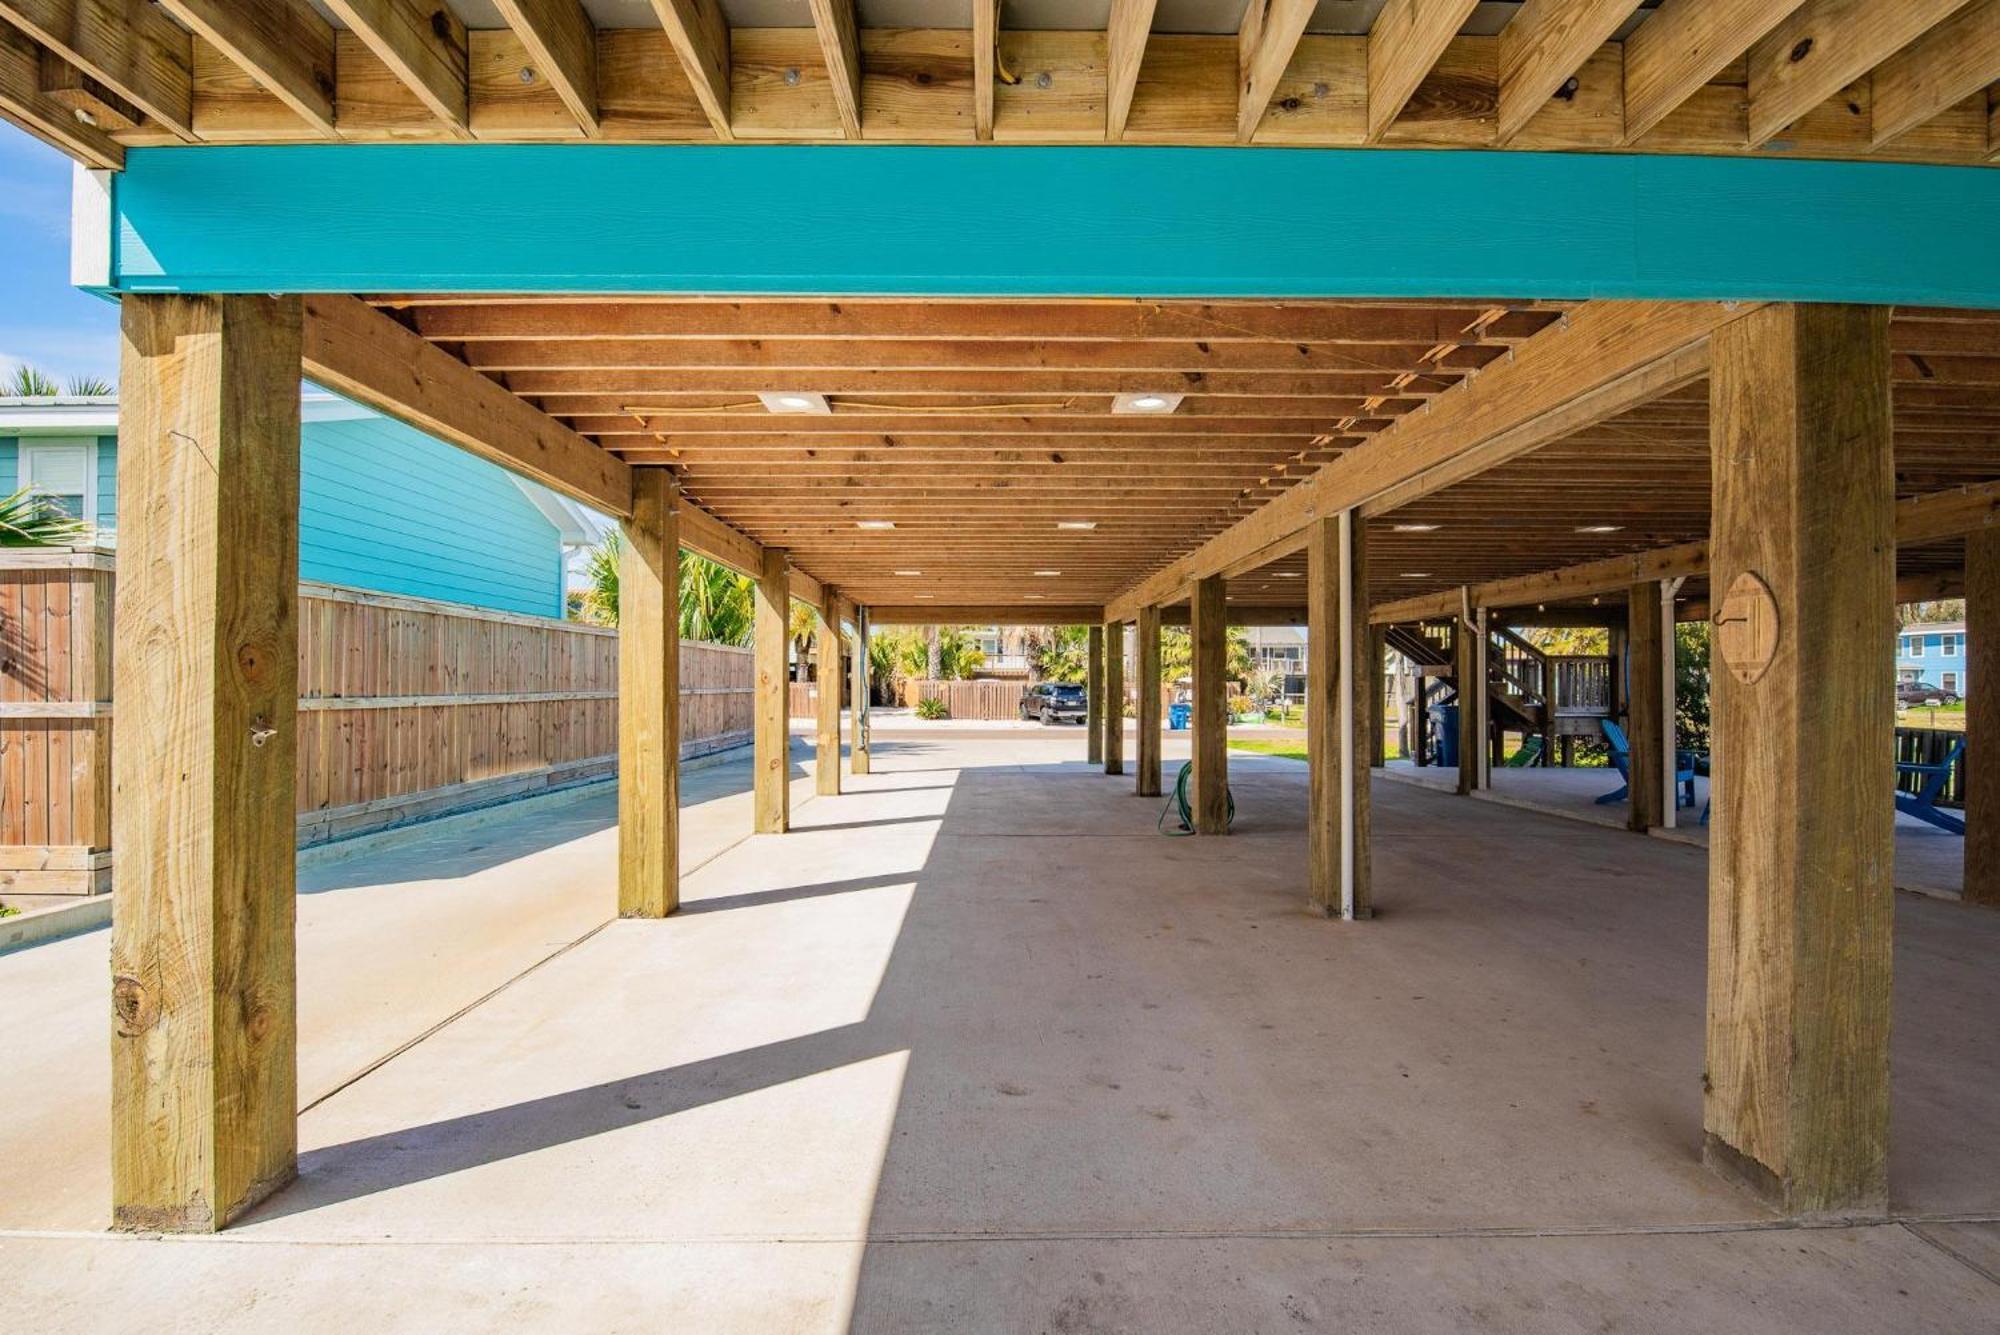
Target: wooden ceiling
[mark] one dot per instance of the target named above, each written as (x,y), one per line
(1893,79)
(1640,481)
(979,428)
(976,428)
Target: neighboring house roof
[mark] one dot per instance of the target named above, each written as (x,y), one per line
(97,414)
(1933,628)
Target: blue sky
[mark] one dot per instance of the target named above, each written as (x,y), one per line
(43,320)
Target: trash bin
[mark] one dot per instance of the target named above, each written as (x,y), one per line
(1178,716)
(1444,719)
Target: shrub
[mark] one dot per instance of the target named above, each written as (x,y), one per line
(932,706)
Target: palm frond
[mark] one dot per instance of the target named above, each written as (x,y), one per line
(29,519)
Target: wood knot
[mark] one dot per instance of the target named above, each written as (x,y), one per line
(1567,93)
(259,1022)
(131,1005)
(441,24)
(1801,49)
(250,661)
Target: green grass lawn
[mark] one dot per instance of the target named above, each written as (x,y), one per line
(1288,748)
(1945,718)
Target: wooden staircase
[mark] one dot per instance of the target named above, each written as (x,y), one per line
(1527,690)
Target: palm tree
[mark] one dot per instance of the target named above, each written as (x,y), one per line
(716,602)
(28,383)
(90,387)
(27,519)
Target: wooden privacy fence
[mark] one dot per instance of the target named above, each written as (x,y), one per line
(407,708)
(966,699)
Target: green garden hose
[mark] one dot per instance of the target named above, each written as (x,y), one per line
(1180,801)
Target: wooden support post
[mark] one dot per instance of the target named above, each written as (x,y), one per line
(1466,670)
(1801,899)
(771,720)
(1982,717)
(1208,630)
(1093,695)
(1148,687)
(1421,724)
(649,699)
(1650,786)
(204,1060)
(1114,697)
(1339,717)
(826,674)
(858,747)
(1375,666)
(1482,701)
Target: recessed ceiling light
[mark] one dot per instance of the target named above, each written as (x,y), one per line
(1077,525)
(794,401)
(1599,528)
(1415,574)
(926,595)
(1288,574)
(1047,573)
(1035,596)
(906,572)
(1145,401)
(1414,528)
(874,523)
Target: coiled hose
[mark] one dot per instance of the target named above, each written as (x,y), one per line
(1179,802)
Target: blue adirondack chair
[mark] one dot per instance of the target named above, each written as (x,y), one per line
(1621,760)
(1922,804)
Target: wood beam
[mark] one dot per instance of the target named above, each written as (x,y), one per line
(1822,47)
(1208,793)
(857,747)
(1682,45)
(1982,719)
(1114,697)
(1647,728)
(1801,897)
(1093,695)
(1147,777)
(649,646)
(424,45)
(562,43)
(1125,34)
(834,20)
(1541,49)
(1339,717)
(985,48)
(129,46)
(1469,679)
(26,105)
(1403,47)
(287,48)
(771,721)
(995,614)
(1264,45)
(826,714)
(1603,359)
(204,1070)
(1936,72)
(358,352)
(700,36)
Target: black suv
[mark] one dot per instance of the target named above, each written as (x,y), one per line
(1054,702)
(1921,692)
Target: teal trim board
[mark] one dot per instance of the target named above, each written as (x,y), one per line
(1005,221)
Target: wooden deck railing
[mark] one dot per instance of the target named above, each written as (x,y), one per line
(1929,746)
(407,708)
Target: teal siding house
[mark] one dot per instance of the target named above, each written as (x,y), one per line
(382,506)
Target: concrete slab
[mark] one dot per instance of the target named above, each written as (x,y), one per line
(976,1048)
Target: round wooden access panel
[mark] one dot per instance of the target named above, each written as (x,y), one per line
(1746,627)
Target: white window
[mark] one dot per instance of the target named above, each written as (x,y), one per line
(1907,650)
(1950,647)
(1951,682)
(66,474)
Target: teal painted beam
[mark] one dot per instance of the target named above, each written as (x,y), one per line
(992,221)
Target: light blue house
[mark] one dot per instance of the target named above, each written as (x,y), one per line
(1933,654)
(381,505)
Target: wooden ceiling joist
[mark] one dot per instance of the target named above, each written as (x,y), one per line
(423,43)
(1126,31)
(1682,46)
(129,46)
(24,102)
(700,35)
(558,39)
(1541,49)
(1266,43)
(1822,47)
(1408,38)
(287,48)
(1951,62)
